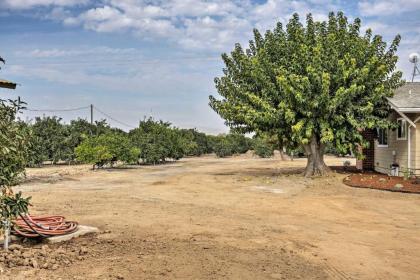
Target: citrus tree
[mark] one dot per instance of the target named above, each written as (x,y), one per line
(49,140)
(311,85)
(107,149)
(13,159)
(13,143)
(197,142)
(263,146)
(224,145)
(158,141)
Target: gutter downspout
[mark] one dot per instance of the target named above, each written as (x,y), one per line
(409,148)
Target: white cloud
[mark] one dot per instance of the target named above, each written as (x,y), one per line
(192,24)
(203,8)
(112,19)
(97,51)
(382,28)
(28,4)
(209,33)
(387,7)
(196,24)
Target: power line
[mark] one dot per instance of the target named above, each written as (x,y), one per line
(57,110)
(115,120)
(82,108)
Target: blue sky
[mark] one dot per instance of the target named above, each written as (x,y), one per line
(133,58)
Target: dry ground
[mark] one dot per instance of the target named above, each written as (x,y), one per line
(235,218)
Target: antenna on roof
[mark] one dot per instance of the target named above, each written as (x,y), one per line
(414,58)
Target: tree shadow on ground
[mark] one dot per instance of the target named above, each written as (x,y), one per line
(262,172)
(345,170)
(282,171)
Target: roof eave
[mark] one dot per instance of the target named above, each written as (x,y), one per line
(6,84)
(404,109)
(409,109)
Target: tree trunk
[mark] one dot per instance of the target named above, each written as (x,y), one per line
(280,145)
(282,155)
(315,165)
(6,229)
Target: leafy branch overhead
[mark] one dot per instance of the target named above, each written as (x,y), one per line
(310,85)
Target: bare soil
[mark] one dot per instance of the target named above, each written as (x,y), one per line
(234,218)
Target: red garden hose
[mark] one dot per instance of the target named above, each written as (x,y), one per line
(43,226)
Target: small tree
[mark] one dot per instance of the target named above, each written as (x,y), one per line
(196,142)
(11,207)
(107,149)
(49,139)
(13,158)
(223,147)
(239,143)
(323,83)
(159,141)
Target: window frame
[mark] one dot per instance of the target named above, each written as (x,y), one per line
(380,145)
(404,122)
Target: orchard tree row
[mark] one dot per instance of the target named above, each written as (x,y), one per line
(50,140)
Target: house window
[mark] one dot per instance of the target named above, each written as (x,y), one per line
(382,137)
(402,129)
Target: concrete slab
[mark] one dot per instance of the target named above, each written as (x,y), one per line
(81,230)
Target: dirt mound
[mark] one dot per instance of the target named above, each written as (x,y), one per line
(42,256)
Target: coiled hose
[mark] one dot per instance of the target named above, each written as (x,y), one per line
(43,226)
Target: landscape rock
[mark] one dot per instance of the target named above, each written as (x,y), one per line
(83,251)
(45,265)
(34,263)
(14,246)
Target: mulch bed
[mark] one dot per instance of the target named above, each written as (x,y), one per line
(379,181)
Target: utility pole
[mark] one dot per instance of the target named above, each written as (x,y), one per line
(91,114)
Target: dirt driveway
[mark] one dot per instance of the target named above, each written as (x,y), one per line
(235,218)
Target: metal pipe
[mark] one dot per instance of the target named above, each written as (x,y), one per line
(409,149)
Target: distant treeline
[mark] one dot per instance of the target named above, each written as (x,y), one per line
(152,142)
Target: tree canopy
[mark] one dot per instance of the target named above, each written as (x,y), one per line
(310,85)
(107,149)
(13,143)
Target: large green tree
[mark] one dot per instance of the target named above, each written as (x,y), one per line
(310,85)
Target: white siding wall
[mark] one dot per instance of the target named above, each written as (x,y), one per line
(384,157)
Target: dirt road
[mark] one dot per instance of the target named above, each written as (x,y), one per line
(235,218)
